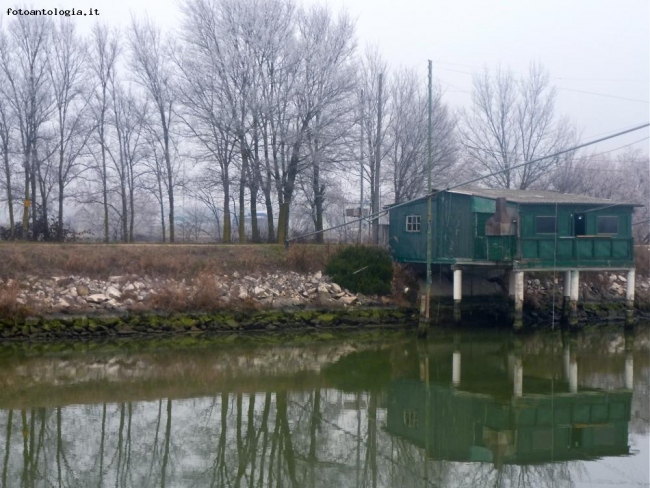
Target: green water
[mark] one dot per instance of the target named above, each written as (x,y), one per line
(377,409)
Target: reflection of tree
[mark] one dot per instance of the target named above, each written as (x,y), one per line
(312,436)
(168,430)
(5,464)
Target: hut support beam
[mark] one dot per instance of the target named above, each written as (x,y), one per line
(566,293)
(573,373)
(573,296)
(629,296)
(455,368)
(518,377)
(519,298)
(458,293)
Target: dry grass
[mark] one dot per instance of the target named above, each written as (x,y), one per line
(98,261)
(9,307)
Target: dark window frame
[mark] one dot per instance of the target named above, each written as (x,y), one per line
(537,226)
(410,418)
(413,223)
(600,219)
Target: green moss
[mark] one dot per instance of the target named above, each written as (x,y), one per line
(327,318)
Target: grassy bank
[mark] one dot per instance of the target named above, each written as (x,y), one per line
(98,261)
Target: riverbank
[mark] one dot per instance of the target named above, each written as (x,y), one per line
(59,291)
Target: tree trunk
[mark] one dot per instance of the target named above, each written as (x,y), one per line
(26,203)
(289,185)
(255,228)
(162,207)
(319,193)
(170,180)
(270,225)
(242,189)
(377,172)
(10,200)
(227,229)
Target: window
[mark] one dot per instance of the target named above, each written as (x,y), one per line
(545,225)
(608,225)
(410,418)
(412,223)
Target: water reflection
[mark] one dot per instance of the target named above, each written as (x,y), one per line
(459,410)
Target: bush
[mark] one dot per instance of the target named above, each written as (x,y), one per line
(362,269)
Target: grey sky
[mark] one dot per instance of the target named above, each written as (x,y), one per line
(598,46)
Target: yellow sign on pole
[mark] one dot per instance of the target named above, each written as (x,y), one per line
(28,203)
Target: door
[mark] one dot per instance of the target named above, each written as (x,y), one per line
(579,224)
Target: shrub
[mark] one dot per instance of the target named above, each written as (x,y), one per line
(362,269)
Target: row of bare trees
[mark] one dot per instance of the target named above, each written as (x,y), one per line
(261,112)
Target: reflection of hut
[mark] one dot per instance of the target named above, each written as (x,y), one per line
(459,425)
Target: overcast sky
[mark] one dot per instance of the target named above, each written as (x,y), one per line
(596,46)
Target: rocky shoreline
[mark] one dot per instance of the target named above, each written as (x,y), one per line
(131,293)
(73,307)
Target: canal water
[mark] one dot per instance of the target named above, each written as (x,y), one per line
(364,409)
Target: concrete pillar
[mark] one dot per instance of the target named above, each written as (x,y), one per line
(455,369)
(458,293)
(566,360)
(629,361)
(573,296)
(629,296)
(566,294)
(629,371)
(519,298)
(518,377)
(573,374)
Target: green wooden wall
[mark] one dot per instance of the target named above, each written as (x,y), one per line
(459,234)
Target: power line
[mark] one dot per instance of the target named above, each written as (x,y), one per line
(602,94)
(560,87)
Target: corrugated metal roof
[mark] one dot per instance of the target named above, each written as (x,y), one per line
(540,196)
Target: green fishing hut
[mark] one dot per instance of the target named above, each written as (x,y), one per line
(520,229)
(517,231)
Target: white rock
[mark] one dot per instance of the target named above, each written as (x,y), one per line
(63,303)
(235,274)
(129,287)
(336,288)
(323,289)
(115,279)
(622,278)
(348,300)
(318,275)
(97,298)
(242,293)
(259,291)
(113,292)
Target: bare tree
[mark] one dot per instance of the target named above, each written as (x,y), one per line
(69,84)
(23,60)
(407,131)
(152,69)
(326,79)
(103,63)
(513,121)
(7,127)
(376,121)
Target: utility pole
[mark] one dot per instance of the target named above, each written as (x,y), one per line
(424,322)
(375,202)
